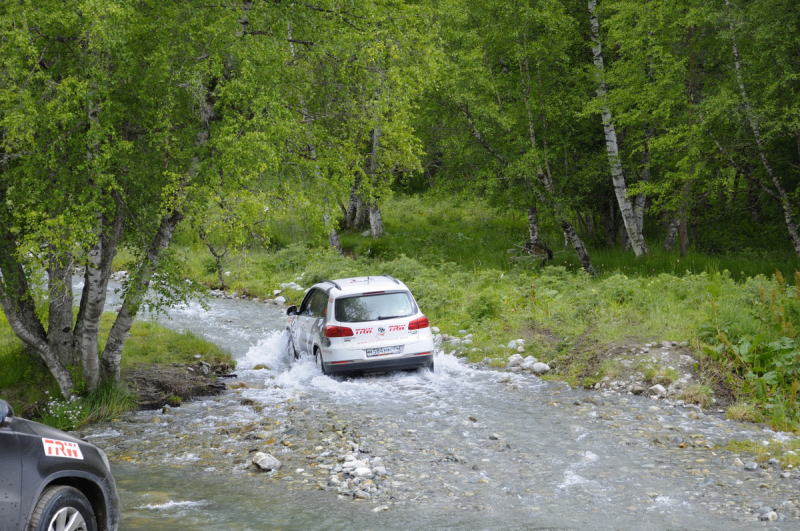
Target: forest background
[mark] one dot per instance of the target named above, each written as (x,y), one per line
(609,146)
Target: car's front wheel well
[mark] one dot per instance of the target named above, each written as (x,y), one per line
(93,493)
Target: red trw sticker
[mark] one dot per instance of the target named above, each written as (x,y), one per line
(361,331)
(55,448)
(397,328)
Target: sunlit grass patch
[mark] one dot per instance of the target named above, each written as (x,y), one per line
(743,412)
(699,394)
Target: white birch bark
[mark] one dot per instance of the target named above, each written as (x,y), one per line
(59,319)
(20,312)
(672,233)
(612,146)
(375,222)
(112,354)
(352,205)
(786,204)
(93,297)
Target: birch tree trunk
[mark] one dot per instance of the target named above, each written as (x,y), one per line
(672,232)
(20,312)
(375,222)
(612,146)
(93,297)
(546,179)
(112,354)
(785,202)
(59,327)
(362,213)
(352,205)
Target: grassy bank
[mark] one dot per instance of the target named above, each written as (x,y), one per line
(27,385)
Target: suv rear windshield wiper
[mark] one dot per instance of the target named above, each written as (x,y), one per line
(382,317)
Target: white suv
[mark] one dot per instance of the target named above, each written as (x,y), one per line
(362,324)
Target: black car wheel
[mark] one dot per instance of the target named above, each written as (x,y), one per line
(318,361)
(63,508)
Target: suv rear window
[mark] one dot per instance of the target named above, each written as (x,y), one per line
(373,307)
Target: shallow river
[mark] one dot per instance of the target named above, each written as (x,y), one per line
(463,448)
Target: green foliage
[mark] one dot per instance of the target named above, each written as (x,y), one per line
(106,402)
(484,307)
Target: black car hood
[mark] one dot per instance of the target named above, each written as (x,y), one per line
(22,426)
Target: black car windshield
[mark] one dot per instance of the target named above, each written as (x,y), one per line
(373,307)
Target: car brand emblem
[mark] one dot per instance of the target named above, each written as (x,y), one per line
(56,448)
(381,330)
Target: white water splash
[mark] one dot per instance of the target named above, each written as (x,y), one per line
(173,505)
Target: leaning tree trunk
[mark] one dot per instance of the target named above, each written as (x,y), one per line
(112,354)
(20,312)
(546,179)
(612,146)
(785,201)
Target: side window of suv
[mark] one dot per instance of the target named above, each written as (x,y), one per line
(317,303)
(304,307)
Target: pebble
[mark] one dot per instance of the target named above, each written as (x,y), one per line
(514,361)
(750,466)
(540,368)
(266,462)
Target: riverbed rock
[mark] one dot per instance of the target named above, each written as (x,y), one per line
(637,389)
(658,390)
(737,462)
(363,472)
(280,300)
(540,368)
(751,466)
(514,361)
(528,363)
(266,462)
(361,495)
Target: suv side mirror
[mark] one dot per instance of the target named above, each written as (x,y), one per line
(6,413)
(291,310)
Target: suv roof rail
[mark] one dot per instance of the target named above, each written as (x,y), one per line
(394,279)
(332,282)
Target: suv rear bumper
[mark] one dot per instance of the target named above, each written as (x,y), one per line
(410,362)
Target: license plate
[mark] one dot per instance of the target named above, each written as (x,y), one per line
(382,351)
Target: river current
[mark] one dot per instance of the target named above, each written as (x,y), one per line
(464,448)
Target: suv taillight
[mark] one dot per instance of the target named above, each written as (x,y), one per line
(419,324)
(337,331)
